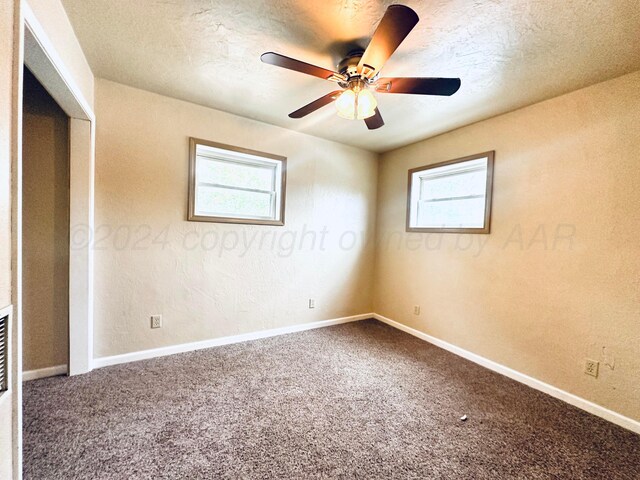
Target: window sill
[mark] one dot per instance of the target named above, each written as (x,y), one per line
(484,230)
(242,221)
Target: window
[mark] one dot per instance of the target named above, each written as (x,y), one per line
(453,196)
(235,185)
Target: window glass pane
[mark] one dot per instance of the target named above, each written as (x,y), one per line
(222,202)
(235,174)
(456,185)
(460,213)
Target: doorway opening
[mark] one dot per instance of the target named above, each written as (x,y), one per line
(45,232)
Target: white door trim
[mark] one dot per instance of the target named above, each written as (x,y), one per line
(44,61)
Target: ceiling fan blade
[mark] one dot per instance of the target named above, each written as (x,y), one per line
(374,121)
(396,24)
(419,86)
(293,64)
(315,105)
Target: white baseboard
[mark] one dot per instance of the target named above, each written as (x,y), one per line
(555,392)
(44,372)
(216,342)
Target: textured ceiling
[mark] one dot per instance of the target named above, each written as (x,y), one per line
(508,53)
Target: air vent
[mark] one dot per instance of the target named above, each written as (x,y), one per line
(4,327)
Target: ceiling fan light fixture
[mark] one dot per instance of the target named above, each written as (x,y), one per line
(356,105)
(358,73)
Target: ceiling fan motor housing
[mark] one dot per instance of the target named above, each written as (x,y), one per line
(349,68)
(349,64)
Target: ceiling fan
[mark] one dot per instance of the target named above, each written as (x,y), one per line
(358,73)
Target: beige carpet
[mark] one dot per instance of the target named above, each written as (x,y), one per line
(360,400)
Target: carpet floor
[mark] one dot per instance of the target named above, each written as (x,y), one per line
(359,400)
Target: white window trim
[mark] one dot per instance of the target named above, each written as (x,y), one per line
(233,154)
(414,195)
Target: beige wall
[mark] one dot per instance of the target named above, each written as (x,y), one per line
(6,105)
(149,260)
(45,229)
(527,296)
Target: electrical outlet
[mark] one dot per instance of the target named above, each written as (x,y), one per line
(416,309)
(312,303)
(156,321)
(591,367)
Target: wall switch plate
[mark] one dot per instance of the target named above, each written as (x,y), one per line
(416,309)
(156,321)
(312,303)
(591,367)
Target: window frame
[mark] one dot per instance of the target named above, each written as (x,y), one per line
(490,156)
(191,213)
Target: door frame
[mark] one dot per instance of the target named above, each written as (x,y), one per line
(47,66)
(35,49)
